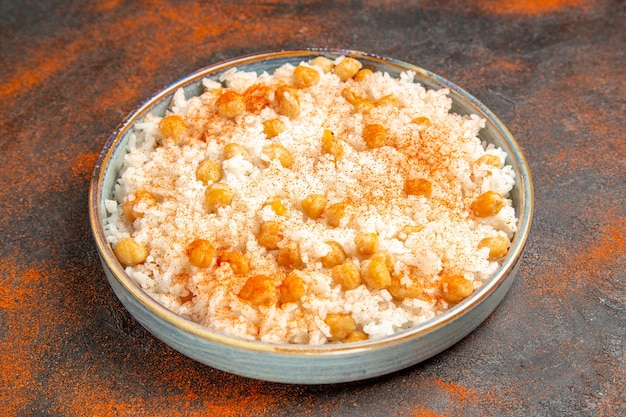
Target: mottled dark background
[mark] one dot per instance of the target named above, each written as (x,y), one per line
(552,70)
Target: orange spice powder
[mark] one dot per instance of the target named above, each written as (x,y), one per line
(20,342)
(531,7)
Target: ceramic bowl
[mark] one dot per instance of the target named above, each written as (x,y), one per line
(296,363)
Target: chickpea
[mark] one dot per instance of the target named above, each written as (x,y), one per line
(418,186)
(498,246)
(259,290)
(375,274)
(422,121)
(305,76)
(324,63)
(273,127)
(230,104)
(356,336)
(330,145)
(488,159)
(388,100)
(400,291)
(347,68)
(361,104)
(387,258)
(488,204)
(292,289)
(374,135)
(200,253)
(270,234)
(289,256)
(362,74)
(404,233)
(130,252)
(133,208)
(234,149)
(218,195)
(364,106)
(256,97)
(336,212)
(455,288)
(288,101)
(340,324)
(335,256)
(173,127)
(313,205)
(209,171)
(347,275)
(278,151)
(366,243)
(277,206)
(238,262)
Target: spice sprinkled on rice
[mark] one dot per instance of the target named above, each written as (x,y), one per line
(323,203)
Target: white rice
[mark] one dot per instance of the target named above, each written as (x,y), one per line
(371,178)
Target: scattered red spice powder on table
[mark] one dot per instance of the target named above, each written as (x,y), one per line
(531,7)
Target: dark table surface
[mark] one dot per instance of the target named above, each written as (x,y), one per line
(552,70)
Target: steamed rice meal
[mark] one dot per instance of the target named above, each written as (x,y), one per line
(322,203)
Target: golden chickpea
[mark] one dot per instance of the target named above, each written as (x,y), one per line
(400,291)
(422,121)
(260,290)
(288,101)
(289,256)
(498,246)
(340,324)
(335,256)
(278,151)
(200,253)
(361,104)
(374,135)
(407,230)
(330,145)
(488,204)
(356,336)
(273,127)
(277,206)
(375,274)
(234,149)
(455,288)
(334,213)
(130,252)
(347,275)
(270,234)
(347,68)
(305,76)
(173,127)
(364,106)
(324,63)
(230,104)
(238,262)
(218,195)
(388,100)
(292,289)
(418,186)
(362,74)
(366,243)
(256,97)
(313,205)
(209,171)
(488,159)
(133,209)
(387,258)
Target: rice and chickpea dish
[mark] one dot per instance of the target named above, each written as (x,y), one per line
(322,203)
